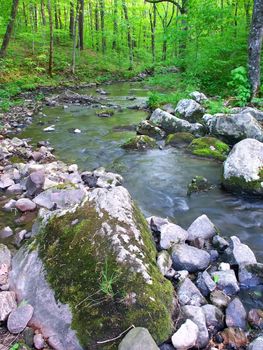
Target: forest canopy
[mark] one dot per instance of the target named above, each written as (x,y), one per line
(205,40)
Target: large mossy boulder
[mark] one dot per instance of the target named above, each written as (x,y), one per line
(233,128)
(171,124)
(209,147)
(140,142)
(243,169)
(90,273)
(179,139)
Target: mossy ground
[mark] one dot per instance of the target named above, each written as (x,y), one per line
(179,139)
(209,147)
(140,142)
(77,259)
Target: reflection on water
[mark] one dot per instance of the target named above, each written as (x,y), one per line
(157,179)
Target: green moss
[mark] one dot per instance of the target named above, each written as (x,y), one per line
(16,159)
(140,142)
(105,113)
(240,185)
(74,258)
(198,184)
(209,147)
(179,139)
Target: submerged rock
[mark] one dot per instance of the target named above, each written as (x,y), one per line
(179,139)
(198,184)
(243,168)
(209,147)
(140,142)
(138,338)
(171,124)
(81,278)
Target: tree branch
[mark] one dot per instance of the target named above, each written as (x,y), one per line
(171,1)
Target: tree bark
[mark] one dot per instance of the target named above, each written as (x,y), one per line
(254,47)
(115,25)
(43,15)
(102,24)
(51,39)
(153,18)
(71,19)
(97,25)
(75,38)
(9,28)
(81,24)
(129,37)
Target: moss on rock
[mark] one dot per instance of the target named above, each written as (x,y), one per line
(240,185)
(209,147)
(179,139)
(105,296)
(140,142)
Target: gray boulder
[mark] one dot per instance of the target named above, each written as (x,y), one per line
(236,315)
(196,314)
(189,294)
(234,127)
(186,336)
(35,183)
(241,254)
(172,234)
(65,271)
(145,127)
(189,109)
(19,318)
(189,258)
(138,338)
(171,124)
(25,204)
(256,113)
(243,168)
(226,281)
(198,96)
(202,228)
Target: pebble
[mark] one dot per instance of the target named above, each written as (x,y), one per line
(25,204)
(39,341)
(19,318)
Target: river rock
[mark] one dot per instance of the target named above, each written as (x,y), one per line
(10,205)
(198,184)
(140,142)
(6,232)
(39,342)
(240,254)
(251,275)
(25,204)
(156,223)
(214,318)
(138,338)
(205,283)
(220,243)
(35,183)
(236,314)
(189,294)
(196,314)
(243,168)
(226,281)
(234,127)
(5,264)
(171,124)
(19,318)
(164,262)
(49,128)
(172,234)
(189,109)
(110,240)
(256,113)
(7,304)
(235,338)
(15,189)
(257,344)
(147,128)
(219,299)
(179,139)
(255,318)
(198,96)
(209,147)
(186,336)
(189,258)
(59,198)
(6,181)
(107,179)
(202,227)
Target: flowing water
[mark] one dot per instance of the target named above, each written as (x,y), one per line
(157,179)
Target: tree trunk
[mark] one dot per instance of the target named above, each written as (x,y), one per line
(247,6)
(43,15)
(51,39)
(115,25)
(91,24)
(254,47)
(71,19)
(102,24)
(56,16)
(75,38)
(9,28)
(25,14)
(153,28)
(81,25)
(97,25)
(129,37)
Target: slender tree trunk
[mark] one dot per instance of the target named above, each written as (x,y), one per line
(164,56)
(25,14)
(43,15)
(247,6)
(9,28)
(129,37)
(75,37)
(59,18)
(254,47)
(81,25)
(71,19)
(91,23)
(115,25)
(153,28)
(35,18)
(51,39)
(97,25)
(56,16)
(235,18)
(102,24)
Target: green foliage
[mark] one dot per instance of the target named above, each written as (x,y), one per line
(216,278)
(209,147)
(108,279)
(239,84)
(216,106)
